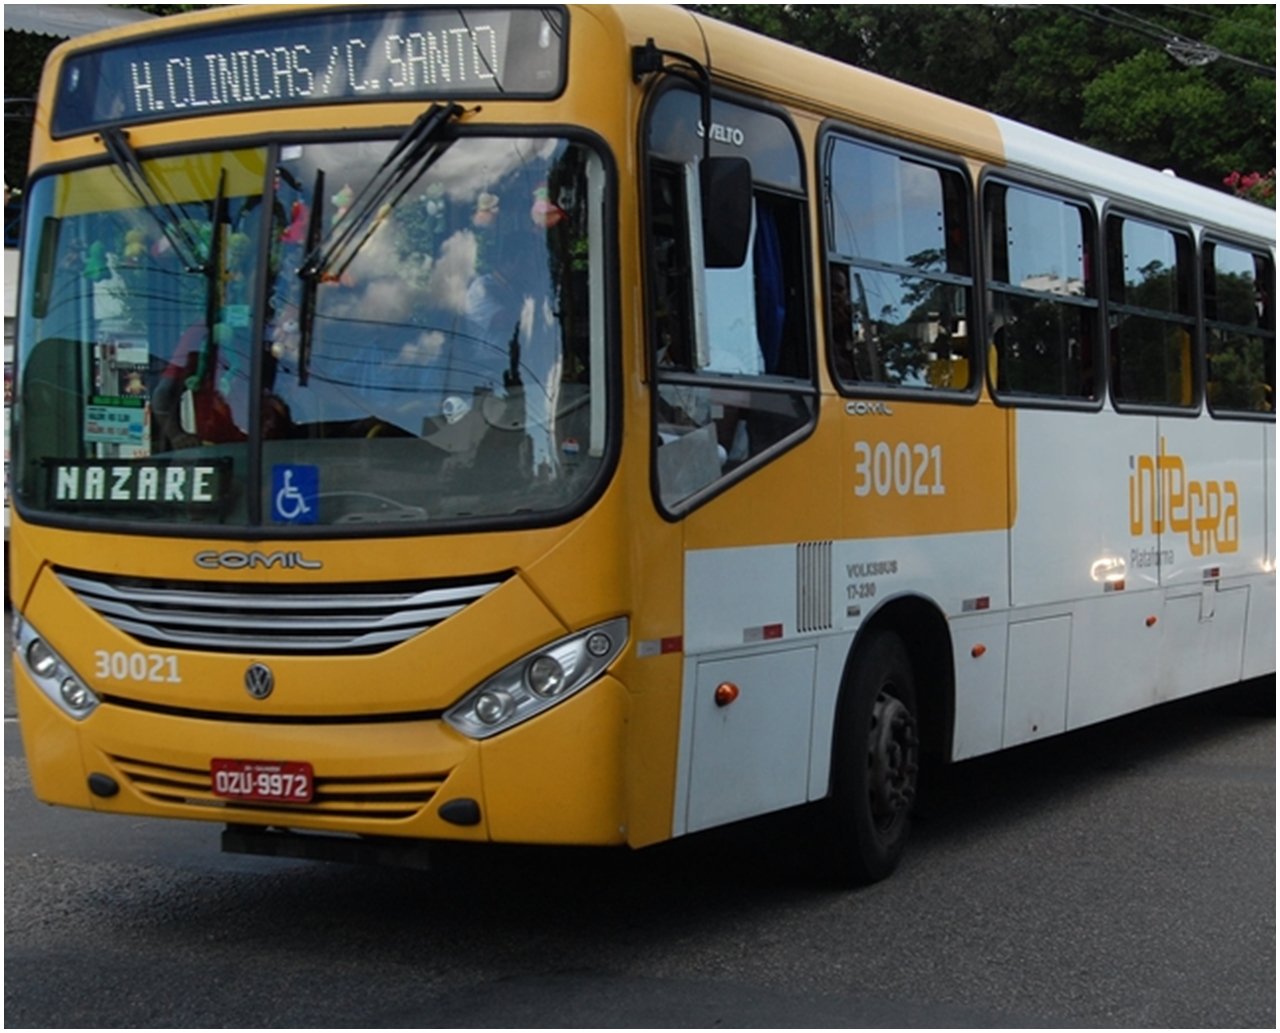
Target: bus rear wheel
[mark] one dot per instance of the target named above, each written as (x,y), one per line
(876,762)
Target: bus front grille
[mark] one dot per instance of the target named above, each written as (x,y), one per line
(275,619)
(376,798)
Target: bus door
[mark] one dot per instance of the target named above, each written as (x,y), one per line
(732,393)
(1155,379)
(1084,546)
(1214,533)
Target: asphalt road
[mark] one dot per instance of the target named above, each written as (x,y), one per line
(1122,876)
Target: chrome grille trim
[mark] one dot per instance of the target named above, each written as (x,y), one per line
(329,619)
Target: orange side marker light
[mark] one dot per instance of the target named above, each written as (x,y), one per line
(726,693)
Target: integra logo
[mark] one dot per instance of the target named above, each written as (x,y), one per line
(1164,500)
(235,560)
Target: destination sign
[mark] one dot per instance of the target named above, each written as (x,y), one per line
(323,57)
(137,484)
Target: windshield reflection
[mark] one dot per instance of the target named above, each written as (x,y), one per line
(449,367)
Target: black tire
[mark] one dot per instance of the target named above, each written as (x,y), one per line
(875,763)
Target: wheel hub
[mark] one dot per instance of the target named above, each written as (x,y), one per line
(893,757)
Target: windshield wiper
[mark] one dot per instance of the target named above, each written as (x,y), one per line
(328,258)
(307,306)
(116,143)
(213,284)
(415,152)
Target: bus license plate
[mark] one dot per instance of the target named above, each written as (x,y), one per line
(262,781)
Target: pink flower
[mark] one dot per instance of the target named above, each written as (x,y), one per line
(1253,186)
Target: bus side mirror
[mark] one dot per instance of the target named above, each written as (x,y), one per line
(726,211)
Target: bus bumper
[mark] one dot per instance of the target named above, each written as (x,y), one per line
(554,780)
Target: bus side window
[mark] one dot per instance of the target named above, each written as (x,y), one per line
(1151,314)
(711,326)
(1240,330)
(730,348)
(1042,296)
(900,275)
(670,271)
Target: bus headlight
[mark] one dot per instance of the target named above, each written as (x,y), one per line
(493,706)
(41,659)
(539,681)
(52,674)
(76,695)
(546,677)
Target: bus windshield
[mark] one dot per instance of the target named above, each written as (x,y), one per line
(264,337)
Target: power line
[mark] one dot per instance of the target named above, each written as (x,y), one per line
(1184,49)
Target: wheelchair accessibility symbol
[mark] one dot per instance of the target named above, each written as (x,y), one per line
(295,494)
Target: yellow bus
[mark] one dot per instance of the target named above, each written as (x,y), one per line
(590,425)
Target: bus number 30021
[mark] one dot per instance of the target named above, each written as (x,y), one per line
(900,469)
(118,665)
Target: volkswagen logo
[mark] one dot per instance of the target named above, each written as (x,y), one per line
(259,681)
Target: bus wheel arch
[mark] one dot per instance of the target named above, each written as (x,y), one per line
(894,708)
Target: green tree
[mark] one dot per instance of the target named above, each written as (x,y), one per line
(915,45)
(24,55)
(1202,120)
(1052,56)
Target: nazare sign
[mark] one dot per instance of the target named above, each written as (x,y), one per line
(137,484)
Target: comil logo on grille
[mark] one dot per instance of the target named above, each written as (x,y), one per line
(233,559)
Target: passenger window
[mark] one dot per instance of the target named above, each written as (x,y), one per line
(732,369)
(1240,320)
(1151,315)
(1043,296)
(898,270)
